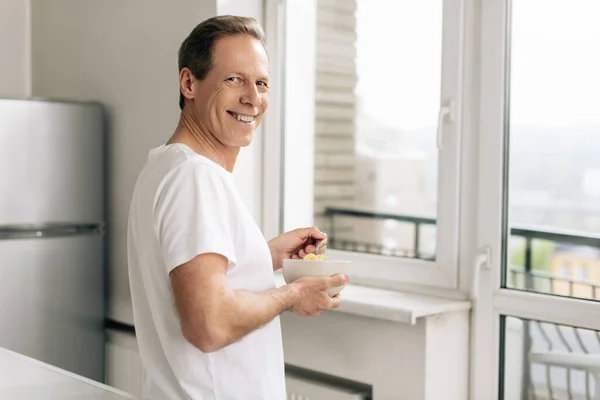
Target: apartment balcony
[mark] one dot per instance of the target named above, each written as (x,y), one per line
(542,360)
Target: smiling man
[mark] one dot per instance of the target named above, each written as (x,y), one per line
(201,272)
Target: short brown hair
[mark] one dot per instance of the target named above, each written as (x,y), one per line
(196,50)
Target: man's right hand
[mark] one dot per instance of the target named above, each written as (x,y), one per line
(311,294)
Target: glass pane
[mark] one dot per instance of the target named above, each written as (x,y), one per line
(554,167)
(377,99)
(549,361)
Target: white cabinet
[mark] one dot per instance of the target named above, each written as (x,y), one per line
(427,360)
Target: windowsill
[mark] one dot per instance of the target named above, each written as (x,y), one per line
(391,305)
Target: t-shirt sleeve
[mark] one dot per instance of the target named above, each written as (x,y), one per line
(191,215)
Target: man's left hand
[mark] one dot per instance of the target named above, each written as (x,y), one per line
(296,244)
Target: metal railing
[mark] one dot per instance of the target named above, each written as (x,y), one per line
(549,338)
(528,233)
(377,248)
(547,335)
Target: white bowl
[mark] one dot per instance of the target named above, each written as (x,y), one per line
(294,269)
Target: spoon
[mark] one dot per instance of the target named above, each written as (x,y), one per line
(318,246)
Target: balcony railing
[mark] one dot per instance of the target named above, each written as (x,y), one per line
(377,248)
(545,337)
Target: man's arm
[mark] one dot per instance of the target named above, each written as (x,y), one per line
(213,316)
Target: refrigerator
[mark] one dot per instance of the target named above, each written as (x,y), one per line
(52,232)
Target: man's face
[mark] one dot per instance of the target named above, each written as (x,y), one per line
(231,101)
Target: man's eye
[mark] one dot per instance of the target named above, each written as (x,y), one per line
(233,79)
(262,83)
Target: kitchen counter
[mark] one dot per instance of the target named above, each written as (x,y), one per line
(23,378)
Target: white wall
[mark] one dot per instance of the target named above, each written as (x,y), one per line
(14,48)
(124,54)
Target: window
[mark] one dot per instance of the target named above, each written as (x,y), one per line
(503,116)
(371,132)
(553,136)
(375,125)
(539,134)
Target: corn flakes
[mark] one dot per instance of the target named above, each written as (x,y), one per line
(318,257)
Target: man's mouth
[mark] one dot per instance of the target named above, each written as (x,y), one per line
(242,118)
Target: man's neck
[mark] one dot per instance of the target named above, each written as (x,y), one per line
(190,133)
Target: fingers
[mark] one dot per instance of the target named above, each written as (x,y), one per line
(312,232)
(314,298)
(335,301)
(311,248)
(337,280)
(310,236)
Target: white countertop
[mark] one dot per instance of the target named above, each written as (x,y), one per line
(391,305)
(23,378)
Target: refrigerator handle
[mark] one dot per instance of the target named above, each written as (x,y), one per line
(49,231)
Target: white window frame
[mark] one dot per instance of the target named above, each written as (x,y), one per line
(493,301)
(290,162)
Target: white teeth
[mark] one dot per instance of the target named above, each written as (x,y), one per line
(243,118)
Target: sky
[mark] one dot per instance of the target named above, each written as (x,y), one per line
(555,62)
(555,74)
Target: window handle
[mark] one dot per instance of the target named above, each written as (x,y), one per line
(483,260)
(446,114)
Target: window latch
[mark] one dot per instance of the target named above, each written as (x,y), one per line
(483,260)
(446,114)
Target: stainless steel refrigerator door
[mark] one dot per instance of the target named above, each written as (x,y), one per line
(51,162)
(52,301)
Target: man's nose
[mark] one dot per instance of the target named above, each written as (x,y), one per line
(251,96)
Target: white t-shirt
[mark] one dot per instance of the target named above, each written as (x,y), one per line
(184,205)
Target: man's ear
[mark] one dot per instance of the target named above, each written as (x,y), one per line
(187,83)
